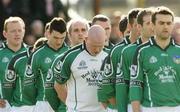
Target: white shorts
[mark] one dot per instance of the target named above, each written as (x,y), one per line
(22,109)
(161,109)
(7,108)
(111,110)
(43,106)
(72,110)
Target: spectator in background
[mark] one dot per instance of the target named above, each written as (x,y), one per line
(45,10)
(8,8)
(176,30)
(116,35)
(37,28)
(30,39)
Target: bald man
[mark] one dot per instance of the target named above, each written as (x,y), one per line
(77,73)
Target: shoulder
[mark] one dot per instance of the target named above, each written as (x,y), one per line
(17,58)
(72,51)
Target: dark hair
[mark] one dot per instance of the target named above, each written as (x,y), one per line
(142,13)
(123,24)
(162,10)
(132,14)
(58,24)
(100,17)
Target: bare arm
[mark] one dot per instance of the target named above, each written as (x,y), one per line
(61,91)
(112,101)
(136,106)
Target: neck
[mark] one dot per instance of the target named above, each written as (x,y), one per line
(89,51)
(132,38)
(144,39)
(15,48)
(163,43)
(107,43)
(53,46)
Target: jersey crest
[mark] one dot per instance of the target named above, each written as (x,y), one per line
(133,71)
(107,70)
(58,67)
(29,72)
(49,75)
(5,59)
(47,60)
(119,71)
(10,76)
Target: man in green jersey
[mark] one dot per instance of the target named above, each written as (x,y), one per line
(14,30)
(40,62)
(155,82)
(104,22)
(145,26)
(112,63)
(22,99)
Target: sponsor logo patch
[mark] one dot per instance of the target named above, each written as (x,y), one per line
(133,70)
(82,65)
(153,59)
(176,59)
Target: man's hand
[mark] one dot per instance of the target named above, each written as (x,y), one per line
(2,103)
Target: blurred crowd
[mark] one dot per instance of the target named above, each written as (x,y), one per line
(35,13)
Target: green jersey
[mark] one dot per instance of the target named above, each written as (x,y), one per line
(21,94)
(7,79)
(111,69)
(155,79)
(40,62)
(56,67)
(123,88)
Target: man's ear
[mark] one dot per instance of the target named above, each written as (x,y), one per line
(48,33)
(139,27)
(5,34)
(86,38)
(129,27)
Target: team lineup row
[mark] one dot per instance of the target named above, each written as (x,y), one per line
(139,74)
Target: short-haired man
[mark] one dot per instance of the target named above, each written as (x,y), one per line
(155,70)
(77,31)
(40,62)
(104,22)
(14,30)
